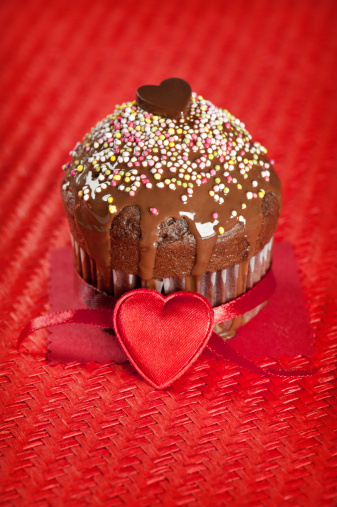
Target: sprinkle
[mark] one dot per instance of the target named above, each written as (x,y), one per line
(110,199)
(215,215)
(183,198)
(154,211)
(249,195)
(221,230)
(112,209)
(80,193)
(157,176)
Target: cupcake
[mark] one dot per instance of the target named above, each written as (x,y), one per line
(170,192)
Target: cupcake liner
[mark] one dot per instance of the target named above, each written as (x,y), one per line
(218,287)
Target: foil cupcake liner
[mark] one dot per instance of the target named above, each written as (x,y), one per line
(218,287)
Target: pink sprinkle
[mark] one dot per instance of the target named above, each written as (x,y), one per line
(137,164)
(157,133)
(151,163)
(242,152)
(116,171)
(254,194)
(147,116)
(73,172)
(267,178)
(212,172)
(132,193)
(194,136)
(229,179)
(198,182)
(145,153)
(204,180)
(137,139)
(127,134)
(117,150)
(198,161)
(130,124)
(171,139)
(191,144)
(202,165)
(131,139)
(189,191)
(216,188)
(146,181)
(113,183)
(221,158)
(228,125)
(141,158)
(142,176)
(185,158)
(215,215)
(154,211)
(117,126)
(208,140)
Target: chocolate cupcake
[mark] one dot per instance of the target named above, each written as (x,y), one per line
(170,192)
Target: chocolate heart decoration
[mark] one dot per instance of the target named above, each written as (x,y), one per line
(170,99)
(162,336)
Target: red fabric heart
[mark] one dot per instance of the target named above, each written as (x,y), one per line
(162,336)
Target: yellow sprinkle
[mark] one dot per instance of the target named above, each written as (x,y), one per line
(155,117)
(171,145)
(117,177)
(113,158)
(162,137)
(107,172)
(179,131)
(127,189)
(261,194)
(211,193)
(187,177)
(147,120)
(98,169)
(105,145)
(80,168)
(217,180)
(76,162)
(167,181)
(184,184)
(80,193)
(231,162)
(157,176)
(110,199)
(203,108)
(243,205)
(217,168)
(127,179)
(179,183)
(245,160)
(170,131)
(245,176)
(226,190)
(121,173)
(118,135)
(210,156)
(138,128)
(199,144)
(221,230)
(239,186)
(190,185)
(255,157)
(112,209)
(199,176)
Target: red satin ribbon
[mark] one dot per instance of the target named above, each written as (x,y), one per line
(101,308)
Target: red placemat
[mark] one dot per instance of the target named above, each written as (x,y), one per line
(97,434)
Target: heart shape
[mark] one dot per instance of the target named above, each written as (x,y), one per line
(170,99)
(162,336)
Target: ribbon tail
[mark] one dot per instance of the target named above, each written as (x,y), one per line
(221,348)
(101,318)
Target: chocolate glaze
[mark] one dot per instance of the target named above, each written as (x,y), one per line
(181,235)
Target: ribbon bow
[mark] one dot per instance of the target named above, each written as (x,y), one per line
(163,336)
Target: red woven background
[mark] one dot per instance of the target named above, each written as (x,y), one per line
(99,435)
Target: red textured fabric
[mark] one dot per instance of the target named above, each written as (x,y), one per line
(99,435)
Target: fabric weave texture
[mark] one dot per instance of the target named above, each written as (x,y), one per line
(98,434)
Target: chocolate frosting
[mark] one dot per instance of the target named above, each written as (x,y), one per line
(197,175)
